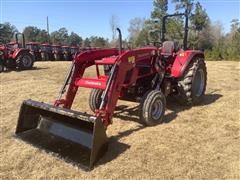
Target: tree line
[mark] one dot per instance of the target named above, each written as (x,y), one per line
(203,34)
(61,36)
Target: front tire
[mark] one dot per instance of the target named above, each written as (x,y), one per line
(25,61)
(152,108)
(95,99)
(192,85)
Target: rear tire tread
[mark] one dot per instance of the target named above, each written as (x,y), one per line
(19,63)
(186,96)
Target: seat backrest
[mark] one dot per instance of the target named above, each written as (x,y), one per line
(168,48)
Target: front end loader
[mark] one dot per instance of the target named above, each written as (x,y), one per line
(77,136)
(145,75)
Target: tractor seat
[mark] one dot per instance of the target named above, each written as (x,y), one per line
(168,48)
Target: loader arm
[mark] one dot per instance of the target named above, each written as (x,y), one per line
(76,136)
(113,84)
(81,62)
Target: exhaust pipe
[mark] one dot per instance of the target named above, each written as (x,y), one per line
(75,136)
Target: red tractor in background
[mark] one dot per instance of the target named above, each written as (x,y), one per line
(57,52)
(46,52)
(146,75)
(15,55)
(34,48)
(14,45)
(74,50)
(66,53)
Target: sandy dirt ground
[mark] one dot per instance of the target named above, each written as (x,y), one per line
(201,142)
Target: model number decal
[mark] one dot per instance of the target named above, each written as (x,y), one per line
(182,54)
(93,83)
(131,59)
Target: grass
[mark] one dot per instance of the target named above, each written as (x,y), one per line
(201,142)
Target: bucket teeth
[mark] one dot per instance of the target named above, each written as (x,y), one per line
(75,136)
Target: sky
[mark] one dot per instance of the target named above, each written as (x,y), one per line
(92,17)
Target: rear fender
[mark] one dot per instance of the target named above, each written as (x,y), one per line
(182,61)
(19,51)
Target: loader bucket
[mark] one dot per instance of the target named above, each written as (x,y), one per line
(75,136)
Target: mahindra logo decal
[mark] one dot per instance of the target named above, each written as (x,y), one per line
(93,83)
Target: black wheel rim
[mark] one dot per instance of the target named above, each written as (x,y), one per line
(199,83)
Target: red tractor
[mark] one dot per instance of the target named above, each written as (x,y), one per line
(74,50)
(57,52)
(145,75)
(34,48)
(14,45)
(66,53)
(46,52)
(15,55)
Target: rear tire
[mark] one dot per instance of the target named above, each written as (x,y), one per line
(152,108)
(192,85)
(25,61)
(95,99)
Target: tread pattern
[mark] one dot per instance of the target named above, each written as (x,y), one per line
(146,106)
(186,96)
(95,99)
(19,63)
